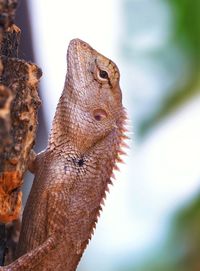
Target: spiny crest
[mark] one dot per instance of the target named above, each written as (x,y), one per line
(122,137)
(121,144)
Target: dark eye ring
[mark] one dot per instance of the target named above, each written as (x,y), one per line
(103,74)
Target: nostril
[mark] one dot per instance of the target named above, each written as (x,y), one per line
(100,114)
(84,45)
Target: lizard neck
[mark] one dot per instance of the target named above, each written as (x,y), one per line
(60,124)
(73,121)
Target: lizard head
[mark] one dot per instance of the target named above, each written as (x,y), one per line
(90,107)
(94,91)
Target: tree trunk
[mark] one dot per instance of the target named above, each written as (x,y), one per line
(19,102)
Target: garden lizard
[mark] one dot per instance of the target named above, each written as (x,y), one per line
(72,174)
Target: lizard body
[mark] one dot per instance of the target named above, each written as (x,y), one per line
(72,174)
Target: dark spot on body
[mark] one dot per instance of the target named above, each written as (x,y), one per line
(65,169)
(81,162)
(78,161)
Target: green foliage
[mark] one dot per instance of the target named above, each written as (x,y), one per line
(185,34)
(185,236)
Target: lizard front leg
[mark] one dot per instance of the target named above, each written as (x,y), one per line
(35,161)
(32,161)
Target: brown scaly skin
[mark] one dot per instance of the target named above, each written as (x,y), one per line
(72,174)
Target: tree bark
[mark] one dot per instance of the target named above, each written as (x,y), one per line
(19,103)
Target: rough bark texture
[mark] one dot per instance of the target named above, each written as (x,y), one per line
(7,14)
(19,103)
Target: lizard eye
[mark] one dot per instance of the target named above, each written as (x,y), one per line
(103,74)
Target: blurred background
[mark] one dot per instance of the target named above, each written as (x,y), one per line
(151,221)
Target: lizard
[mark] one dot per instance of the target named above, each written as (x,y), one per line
(73,173)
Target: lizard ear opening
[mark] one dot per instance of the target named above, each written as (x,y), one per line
(99,114)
